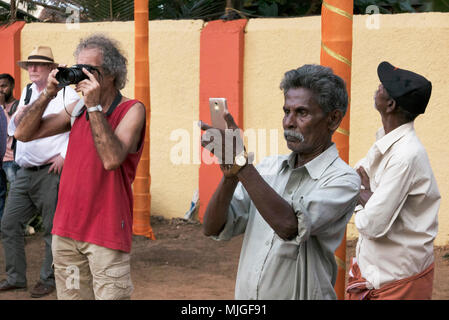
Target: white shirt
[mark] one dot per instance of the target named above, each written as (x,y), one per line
(399,222)
(323,194)
(39,151)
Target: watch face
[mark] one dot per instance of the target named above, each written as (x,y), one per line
(240,160)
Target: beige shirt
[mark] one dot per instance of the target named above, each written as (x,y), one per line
(323,194)
(399,222)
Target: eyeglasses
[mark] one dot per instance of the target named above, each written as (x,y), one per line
(37,64)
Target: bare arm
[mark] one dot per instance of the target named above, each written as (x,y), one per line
(273,208)
(217,210)
(112,146)
(29,122)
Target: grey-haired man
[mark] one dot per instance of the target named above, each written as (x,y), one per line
(293,209)
(92,227)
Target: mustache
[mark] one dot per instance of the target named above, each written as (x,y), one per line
(288,134)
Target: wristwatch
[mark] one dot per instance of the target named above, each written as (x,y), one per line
(46,94)
(94,109)
(240,161)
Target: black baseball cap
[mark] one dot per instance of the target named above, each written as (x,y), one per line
(410,90)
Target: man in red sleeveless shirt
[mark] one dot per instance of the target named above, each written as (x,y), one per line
(92,228)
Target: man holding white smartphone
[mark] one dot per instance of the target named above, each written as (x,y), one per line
(293,209)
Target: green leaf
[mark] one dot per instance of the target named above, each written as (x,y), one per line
(249,3)
(363,3)
(440,5)
(281,2)
(268,10)
(406,6)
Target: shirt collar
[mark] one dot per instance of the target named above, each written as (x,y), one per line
(316,166)
(385,141)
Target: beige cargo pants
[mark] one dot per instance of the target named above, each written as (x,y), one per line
(87,271)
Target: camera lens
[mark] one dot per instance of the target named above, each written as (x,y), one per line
(73,75)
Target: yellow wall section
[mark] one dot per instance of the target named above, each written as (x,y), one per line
(418,42)
(412,41)
(272,47)
(63,42)
(174,74)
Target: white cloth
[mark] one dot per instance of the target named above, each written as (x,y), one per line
(39,151)
(399,222)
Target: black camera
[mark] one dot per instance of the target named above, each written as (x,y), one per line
(74,74)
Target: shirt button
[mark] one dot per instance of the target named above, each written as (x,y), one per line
(267,243)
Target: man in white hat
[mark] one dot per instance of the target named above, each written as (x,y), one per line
(35,189)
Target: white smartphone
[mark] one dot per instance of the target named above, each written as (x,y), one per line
(218,107)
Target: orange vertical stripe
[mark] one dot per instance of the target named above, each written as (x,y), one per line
(10,40)
(221,75)
(141,186)
(336,52)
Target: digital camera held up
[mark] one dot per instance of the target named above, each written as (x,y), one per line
(74,74)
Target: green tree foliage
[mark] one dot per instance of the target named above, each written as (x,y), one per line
(393,6)
(281,8)
(101,10)
(186,9)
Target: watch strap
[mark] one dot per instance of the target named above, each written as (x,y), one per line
(96,108)
(47,95)
(115,103)
(237,167)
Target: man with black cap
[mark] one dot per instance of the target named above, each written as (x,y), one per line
(399,200)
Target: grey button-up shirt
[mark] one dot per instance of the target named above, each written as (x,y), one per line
(323,194)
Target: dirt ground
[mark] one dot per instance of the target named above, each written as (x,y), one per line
(182,264)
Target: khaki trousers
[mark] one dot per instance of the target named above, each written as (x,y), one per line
(87,271)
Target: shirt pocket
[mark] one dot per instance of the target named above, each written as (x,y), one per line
(285,249)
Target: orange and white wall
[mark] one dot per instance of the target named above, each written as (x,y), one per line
(249,64)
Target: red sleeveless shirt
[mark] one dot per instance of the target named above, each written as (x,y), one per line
(96,205)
